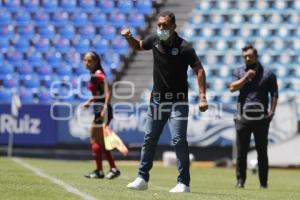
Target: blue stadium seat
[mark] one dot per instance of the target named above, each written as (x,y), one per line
(5,18)
(108,72)
(22,18)
(25,69)
(4,45)
(45,96)
(64,70)
(107,6)
(62,91)
(203,5)
(257,18)
(7,31)
(26,31)
(84,93)
(117,19)
(34,58)
(73,58)
(108,32)
(218,84)
(196,19)
(283,84)
(98,18)
(144,6)
(47,31)
(136,20)
(31,82)
(120,46)
(60,19)
(41,18)
(295,84)
(237,19)
(67,32)
(26,96)
(81,45)
(125,6)
(69,6)
(80,70)
(44,70)
(62,45)
(280,5)
(200,45)
(10,81)
(229,60)
(13,6)
(225,72)
(266,58)
(54,59)
(50,6)
(224,5)
(239,44)
(100,45)
(6,69)
(42,45)
(79,19)
(47,81)
(5,95)
(31,5)
(87,32)
(14,57)
(111,60)
(264,32)
(1,57)
(297,71)
(74,82)
(21,44)
(87,5)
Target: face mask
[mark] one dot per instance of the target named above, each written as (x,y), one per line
(163,34)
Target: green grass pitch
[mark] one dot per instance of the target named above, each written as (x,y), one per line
(17,182)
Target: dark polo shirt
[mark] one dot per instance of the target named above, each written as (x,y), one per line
(170,67)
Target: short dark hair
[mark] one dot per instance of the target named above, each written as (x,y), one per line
(168,14)
(250,46)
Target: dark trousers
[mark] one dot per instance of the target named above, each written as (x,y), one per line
(244,129)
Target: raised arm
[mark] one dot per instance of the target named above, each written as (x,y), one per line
(238,84)
(133,42)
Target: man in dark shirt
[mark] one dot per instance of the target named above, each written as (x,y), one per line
(255,84)
(169,98)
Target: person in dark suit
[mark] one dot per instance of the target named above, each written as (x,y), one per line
(255,84)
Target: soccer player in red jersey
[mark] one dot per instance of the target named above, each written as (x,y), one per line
(103,114)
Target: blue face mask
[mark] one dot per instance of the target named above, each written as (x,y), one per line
(163,34)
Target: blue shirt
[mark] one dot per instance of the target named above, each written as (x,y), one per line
(257,89)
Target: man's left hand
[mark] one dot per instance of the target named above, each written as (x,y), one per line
(270,115)
(203,106)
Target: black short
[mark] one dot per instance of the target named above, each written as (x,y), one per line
(107,118)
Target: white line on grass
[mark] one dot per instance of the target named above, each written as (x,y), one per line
(62,184)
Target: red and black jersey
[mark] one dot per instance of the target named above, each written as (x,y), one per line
(96,85)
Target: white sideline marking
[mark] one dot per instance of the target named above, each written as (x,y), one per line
(62,184)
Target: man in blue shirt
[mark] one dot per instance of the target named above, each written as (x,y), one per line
(255,84)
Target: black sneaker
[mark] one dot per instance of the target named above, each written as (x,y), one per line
(95,174)
(263,186)
(240,184)
(113,173)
